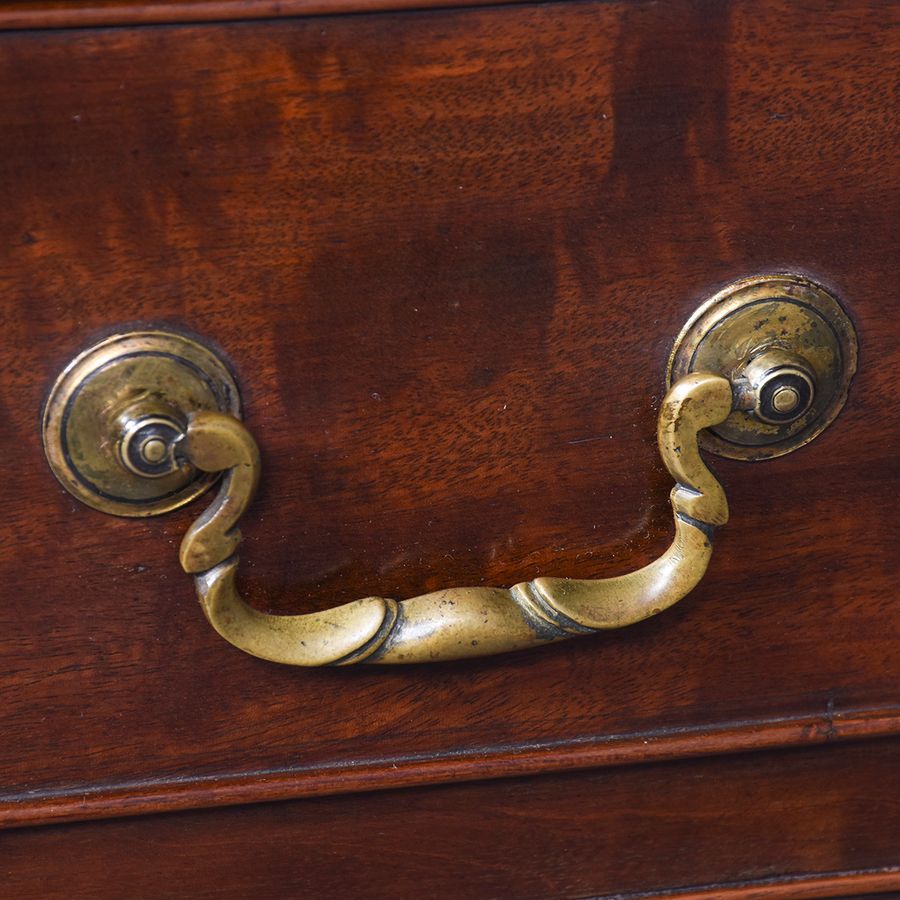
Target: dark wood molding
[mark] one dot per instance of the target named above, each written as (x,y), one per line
(805,887)
(778,824)
(100,801)
(31,14)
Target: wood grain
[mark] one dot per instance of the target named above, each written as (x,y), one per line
(29,14)
(447,253)
(762,818)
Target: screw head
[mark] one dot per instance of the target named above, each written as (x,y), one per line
(154,450)
(785,399)
(782,386)
(147,446)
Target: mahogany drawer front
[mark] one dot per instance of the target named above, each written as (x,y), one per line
(446,252)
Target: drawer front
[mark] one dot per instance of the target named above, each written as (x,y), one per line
(446,253)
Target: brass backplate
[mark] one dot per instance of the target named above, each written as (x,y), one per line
(787,313)
(140,373)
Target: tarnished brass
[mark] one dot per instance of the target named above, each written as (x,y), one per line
(457,622)
(113,417)
(789,350)
(142,423)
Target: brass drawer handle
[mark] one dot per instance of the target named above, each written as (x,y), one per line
(785,382)
(457,622)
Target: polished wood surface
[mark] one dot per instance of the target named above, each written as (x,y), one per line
(447,253)
(27,14)
(789,824)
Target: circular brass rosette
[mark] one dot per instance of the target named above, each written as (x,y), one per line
(114,417)
(789,351)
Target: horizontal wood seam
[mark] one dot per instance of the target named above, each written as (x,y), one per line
(821,885)
(34,15)
(141,797)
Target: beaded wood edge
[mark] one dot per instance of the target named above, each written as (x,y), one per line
(455,622)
